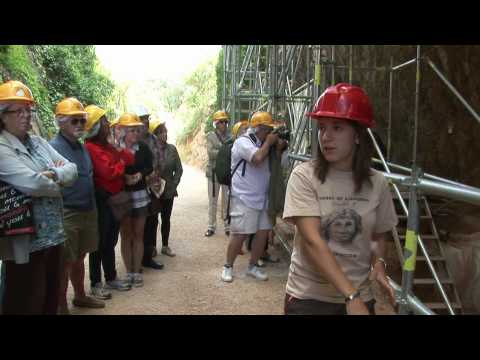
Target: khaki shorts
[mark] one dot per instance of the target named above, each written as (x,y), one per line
(81,230)
(245,220)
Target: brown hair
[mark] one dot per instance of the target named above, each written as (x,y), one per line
(362,160)
(160,128)
(3,107)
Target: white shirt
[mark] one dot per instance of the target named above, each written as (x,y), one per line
(252,188)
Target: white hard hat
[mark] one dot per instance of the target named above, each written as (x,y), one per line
(141,110)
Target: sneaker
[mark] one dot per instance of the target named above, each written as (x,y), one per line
(167,251)
(260,263)
(129,279)
(209,233)
(117,284)
(227,274)
(270,258)
(99,292)
(257,273)
(137,280)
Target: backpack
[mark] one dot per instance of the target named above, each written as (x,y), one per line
(223,164)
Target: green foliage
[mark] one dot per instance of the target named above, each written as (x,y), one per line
(54,72)
(199,100)
(73,70)
(157,95)
(219,77)
(17,63)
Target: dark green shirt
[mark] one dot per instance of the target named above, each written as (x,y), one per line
(172,171)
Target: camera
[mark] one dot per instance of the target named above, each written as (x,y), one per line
(282,132)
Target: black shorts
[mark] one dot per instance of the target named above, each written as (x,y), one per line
(294,306)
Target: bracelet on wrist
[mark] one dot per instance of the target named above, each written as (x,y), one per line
(382,260)
(352,296)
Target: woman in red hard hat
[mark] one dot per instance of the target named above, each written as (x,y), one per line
(343,212)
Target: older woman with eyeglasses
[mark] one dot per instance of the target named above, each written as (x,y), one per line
(32,166)
(132,226)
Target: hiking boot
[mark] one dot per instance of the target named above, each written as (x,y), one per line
(167,251)
(99,292)
(88,302)
(257,273)
(137,280)
(227,274)
(118,284)
(209,233)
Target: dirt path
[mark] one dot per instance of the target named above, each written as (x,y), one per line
(190,282)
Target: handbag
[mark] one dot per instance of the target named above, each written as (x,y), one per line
(158,189)
(120,204)
(16,212)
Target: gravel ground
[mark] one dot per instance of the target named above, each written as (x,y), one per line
(190,282)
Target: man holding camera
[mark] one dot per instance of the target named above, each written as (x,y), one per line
(249,192)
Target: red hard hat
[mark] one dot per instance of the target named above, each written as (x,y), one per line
(345,101)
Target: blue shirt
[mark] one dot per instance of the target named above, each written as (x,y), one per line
(81,195)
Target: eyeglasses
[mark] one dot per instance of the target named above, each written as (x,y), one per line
(22,112)
(76,121)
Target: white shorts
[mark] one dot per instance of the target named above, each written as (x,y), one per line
(245,220)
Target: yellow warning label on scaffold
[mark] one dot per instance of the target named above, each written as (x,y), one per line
(410,251)
(318,74)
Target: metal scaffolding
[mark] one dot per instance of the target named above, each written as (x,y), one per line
(286,80)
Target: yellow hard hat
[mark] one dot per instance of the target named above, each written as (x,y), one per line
(95,113)
(114,122)
(237,127)
(15,90)
(70,106)
(220,115)
(154,124)
(261,118)
(129,119)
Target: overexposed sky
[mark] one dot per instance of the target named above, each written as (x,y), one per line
(143,62)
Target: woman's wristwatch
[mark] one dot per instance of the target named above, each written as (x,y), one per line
(352,296)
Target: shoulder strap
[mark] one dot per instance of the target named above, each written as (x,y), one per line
(238,165)
(219,138)
(253,138)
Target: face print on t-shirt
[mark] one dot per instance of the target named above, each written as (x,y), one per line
(341,226)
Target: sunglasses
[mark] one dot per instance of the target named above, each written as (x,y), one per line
(76,121)
(134,130)
(223,122)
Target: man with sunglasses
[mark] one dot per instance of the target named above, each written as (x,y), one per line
(215,140)
(79,207)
